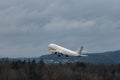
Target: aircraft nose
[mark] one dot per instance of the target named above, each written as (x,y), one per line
(50,45)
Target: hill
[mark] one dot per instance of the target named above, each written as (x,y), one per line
(111,57)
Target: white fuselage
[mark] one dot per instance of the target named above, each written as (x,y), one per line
(56,48)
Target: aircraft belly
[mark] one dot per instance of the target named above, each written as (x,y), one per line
(71,53)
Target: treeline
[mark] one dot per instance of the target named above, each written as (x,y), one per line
(32,70)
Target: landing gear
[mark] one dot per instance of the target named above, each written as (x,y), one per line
(66,55)
(59,55)
(55,52)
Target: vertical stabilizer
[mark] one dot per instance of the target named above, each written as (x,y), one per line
(80,50)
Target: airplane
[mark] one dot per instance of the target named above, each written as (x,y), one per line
(59,50)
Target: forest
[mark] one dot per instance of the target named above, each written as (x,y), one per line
(32,70)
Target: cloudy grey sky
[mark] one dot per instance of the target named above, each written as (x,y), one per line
(28,26)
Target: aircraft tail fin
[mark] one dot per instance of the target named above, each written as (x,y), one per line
(80,50)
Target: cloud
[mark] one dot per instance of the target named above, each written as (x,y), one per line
(27,26)
(62,24)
